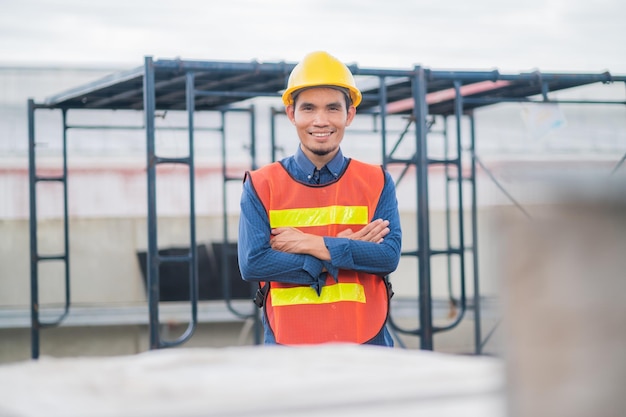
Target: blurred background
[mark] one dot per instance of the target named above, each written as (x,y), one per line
(47,48)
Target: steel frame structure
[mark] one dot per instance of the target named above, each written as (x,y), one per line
(418,93)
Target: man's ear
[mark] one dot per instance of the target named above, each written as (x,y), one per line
(290,111)
(351,114)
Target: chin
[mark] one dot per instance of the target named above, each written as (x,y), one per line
(323,151)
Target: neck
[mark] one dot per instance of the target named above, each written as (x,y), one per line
(319,160)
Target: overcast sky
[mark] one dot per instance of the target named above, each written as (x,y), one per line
(549,35)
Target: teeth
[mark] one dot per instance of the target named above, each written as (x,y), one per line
(320,135)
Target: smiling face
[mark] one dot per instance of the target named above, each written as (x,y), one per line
(320,116)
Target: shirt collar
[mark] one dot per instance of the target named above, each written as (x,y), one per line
(334,166)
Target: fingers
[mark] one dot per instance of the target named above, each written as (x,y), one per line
(284,239)
(280,230)
(375,231)
(378,232)
(345,233)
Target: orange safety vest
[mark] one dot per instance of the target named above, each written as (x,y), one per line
(353,309)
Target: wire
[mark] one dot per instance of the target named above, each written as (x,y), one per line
(619,164)
(517,204)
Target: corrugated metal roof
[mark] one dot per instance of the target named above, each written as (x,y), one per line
(225,83)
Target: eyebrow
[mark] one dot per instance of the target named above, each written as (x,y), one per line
(331,104)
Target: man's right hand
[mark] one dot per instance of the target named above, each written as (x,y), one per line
(372,232)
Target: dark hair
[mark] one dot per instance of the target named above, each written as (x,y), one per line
(345,92)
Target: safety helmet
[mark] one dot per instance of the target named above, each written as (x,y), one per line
(319,69)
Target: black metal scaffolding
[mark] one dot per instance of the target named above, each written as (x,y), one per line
(418,94)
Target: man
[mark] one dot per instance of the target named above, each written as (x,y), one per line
(320,232)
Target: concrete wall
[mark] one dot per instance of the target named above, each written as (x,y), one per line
(104,267)
(106,279)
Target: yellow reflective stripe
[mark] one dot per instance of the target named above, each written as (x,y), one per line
(307,295)
(319,216)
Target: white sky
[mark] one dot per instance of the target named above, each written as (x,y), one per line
(549,35)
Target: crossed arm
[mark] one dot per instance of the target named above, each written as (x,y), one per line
(295,257)
(292,240)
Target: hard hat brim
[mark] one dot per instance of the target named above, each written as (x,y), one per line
(355,94)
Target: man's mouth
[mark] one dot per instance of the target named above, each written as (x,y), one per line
(321,134)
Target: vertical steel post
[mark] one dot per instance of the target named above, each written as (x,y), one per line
(66,217)
(224,256)
(382,101)
(458,110)
(273,113)
(190,93)
(256,315)
(152,258)
(420,111)
(448,180)
(34,266)
(477,316)
(253,162)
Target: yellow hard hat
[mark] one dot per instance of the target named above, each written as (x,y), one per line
(321,69)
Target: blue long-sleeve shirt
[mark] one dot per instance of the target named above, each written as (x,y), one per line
(259,262)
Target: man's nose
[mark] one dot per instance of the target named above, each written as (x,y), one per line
(321,118)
